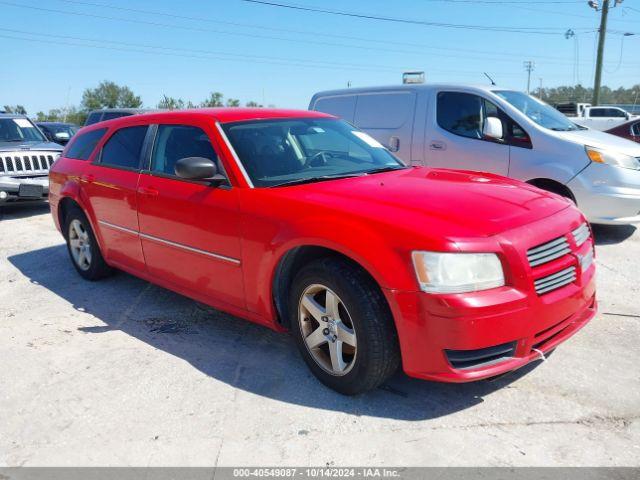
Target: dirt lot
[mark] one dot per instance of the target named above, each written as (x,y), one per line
(121,372)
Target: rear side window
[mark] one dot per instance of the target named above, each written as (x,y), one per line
(112,115)
(384,110)
(124,147)
(597,112)
(343,106)
(84,144)
(460,113)
(174,142)
(93,118)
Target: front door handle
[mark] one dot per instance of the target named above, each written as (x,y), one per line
(437,145)
(149,191)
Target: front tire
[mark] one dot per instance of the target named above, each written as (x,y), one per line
(83,248)
(343,326)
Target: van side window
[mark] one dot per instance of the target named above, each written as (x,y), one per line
(460,113)
(123,149)
(384,110)
(174,142)
(343,106)
(82,145)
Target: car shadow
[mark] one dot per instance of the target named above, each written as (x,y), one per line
(239,353)
(15,211)
(612,234)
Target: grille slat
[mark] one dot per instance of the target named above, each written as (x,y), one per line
(556,280)
(548,251)
(27,164)
(581,234)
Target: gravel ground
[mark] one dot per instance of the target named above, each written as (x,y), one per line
(121,373)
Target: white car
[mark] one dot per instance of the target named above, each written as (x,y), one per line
(498,130)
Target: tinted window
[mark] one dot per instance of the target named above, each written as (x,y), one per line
(124,147)
(83,144)
(614,112)
(635,130)
(384,110)
(112,115)
(93,118)
(174,142)
(597,112)
(460,113)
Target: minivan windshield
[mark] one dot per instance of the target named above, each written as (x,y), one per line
(293,151)
(19,130)
(538,111)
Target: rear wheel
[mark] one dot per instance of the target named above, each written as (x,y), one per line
(343,326)
(83,248)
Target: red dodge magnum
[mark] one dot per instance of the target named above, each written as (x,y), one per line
(299,221)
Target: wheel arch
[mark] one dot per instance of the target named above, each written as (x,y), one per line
(290,264)
(552,186)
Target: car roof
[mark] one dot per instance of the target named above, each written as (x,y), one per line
(56,124)
(125,110)
(222,115)
(468,87)
(13,115)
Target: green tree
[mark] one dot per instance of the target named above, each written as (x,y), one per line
(110,95)
(170,103)
(215,100)
(15,109)
(233,102)
(252,104)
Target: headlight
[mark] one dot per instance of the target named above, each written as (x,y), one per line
(457,272)
(612,158)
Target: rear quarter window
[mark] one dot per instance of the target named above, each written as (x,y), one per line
(93,118)
(123,148)
(384,110)
(342,106)
(83,145)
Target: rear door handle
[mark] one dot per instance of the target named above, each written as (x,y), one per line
(149,191)
(437,145)
(87,178)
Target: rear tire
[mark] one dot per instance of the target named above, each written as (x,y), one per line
(82,246)
(343,326)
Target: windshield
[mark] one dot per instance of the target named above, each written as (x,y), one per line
(278,152)
(538,111)
(19,130)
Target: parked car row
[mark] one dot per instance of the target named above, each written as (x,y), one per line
(336,230)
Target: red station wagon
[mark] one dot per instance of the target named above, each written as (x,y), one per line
(298,221)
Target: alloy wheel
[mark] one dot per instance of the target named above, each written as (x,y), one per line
(80,244)
(327,330)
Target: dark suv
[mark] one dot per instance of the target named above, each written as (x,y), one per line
(58,132)
(25,158)
(96,116)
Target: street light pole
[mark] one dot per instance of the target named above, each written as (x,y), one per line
(529,66)
(601,38)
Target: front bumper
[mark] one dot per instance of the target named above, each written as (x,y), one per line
(608,195)
(11,188)
(431,327)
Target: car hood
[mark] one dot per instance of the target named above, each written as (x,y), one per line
(26,146)
(605,141)
(466,203)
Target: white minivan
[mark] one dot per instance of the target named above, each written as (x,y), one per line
(497,130)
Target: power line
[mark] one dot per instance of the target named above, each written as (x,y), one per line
(531,30)
(252,35)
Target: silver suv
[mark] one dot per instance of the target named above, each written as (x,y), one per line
(25,158)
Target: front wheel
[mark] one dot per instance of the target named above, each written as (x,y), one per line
(343,327)
(83,248)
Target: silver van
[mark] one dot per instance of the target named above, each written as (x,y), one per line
(502,131)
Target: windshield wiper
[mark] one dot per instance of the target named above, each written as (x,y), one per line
(322,178)
(388,168)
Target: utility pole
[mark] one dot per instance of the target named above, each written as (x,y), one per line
(602,34)
(529,66)
(540,88)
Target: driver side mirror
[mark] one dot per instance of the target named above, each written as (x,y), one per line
(492,128)
(198,168)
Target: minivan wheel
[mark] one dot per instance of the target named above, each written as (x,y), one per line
(343,327)
(83,247)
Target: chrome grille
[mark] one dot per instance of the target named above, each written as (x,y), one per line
(553,282)
(548,251)
(27,163)
(581,234)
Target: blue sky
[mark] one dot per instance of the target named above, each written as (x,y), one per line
(54,49)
